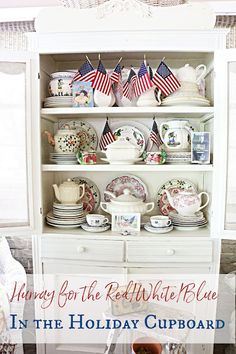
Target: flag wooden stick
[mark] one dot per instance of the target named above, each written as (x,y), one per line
(99,56)
(163,58)
(144,59)
(119,60)
(88,59)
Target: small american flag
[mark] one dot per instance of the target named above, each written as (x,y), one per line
(116,75)
(155,136)
(116,78)
(85,73)
(165,80)
(102,82)
(128,88)
(107,137)
(143,82)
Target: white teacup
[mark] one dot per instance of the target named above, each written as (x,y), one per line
(160,221)
(96,219)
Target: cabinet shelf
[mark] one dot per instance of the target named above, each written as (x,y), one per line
(143,234)
(54,114)
(134,168)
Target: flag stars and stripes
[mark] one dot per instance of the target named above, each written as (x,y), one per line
(102,81)
(107,137)
(85,73)
(155,135)
(165,80)
(143,82)
(128,88)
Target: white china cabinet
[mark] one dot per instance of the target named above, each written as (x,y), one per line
(57,250)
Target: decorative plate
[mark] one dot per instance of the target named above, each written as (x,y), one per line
(85,131)
(133,135)
(133,183)
(173,186)
(141,127)
(91,198)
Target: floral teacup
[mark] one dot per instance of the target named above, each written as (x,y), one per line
(155,157)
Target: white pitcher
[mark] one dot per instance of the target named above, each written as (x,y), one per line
(176,138)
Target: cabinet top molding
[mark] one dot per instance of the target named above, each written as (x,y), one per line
(115,41)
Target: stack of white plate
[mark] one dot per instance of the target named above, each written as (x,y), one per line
(63,158)
(186,101)
(188,223)
(182,157)
(58,101)
(66,216)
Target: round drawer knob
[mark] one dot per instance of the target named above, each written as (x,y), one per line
(81,249)
(170,252)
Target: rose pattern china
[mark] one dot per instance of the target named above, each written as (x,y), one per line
(134,184)
(186,203)
(173,186)
(91,198)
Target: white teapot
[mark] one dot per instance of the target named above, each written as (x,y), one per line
(126,203)
(69,192)
(186,203)
(188,74)
(176,138)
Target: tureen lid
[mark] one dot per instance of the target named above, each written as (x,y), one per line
(126,197)
(121,143)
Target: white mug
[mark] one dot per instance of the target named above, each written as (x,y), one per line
(96,219)
(160,221)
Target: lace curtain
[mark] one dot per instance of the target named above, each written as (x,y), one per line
(84,4)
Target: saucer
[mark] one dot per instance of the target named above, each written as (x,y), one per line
(122,162)
(87,227)
(157,230)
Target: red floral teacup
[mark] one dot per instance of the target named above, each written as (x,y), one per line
(155,157)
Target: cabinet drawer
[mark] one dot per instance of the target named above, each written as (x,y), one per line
(77,249)
(153,252)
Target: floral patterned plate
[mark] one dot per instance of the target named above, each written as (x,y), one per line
(133,183)
(173,186)
(131,134)
(91,198)
(85,131)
